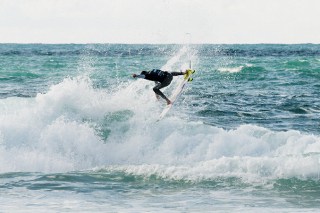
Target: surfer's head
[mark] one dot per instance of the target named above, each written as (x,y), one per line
(144,72)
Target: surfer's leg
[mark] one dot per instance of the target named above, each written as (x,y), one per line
(157,96)
(160,85)
(157,88)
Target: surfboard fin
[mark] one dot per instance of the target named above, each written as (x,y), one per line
(190,79)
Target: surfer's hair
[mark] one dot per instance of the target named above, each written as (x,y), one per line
(144,72)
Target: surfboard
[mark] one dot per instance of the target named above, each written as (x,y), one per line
(177,93)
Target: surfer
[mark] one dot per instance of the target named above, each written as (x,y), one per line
(161,78)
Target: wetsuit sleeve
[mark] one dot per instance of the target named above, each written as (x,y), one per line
(176,73)
(141,76)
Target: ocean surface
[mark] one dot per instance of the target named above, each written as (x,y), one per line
(78,132)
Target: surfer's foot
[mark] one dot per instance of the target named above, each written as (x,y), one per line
(168,101)
(158,97)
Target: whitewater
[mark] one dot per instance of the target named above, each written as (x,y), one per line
(78,133)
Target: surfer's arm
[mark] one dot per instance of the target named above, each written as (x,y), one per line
(179,73)
(139,76)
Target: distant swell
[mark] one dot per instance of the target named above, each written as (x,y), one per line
(84,52)
(258,53)
(123,50)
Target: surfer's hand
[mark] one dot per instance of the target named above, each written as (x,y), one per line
(134,75)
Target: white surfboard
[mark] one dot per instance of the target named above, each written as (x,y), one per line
(177,93)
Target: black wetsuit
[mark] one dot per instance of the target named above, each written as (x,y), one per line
(161,78)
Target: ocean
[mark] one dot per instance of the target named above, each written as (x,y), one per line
(78,132)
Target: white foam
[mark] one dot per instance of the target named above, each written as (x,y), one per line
(231,69)
(251,153)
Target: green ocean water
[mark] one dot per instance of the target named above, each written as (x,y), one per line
(77,132)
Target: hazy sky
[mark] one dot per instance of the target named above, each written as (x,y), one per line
(159,21)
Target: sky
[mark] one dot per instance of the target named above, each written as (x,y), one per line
(160,21)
